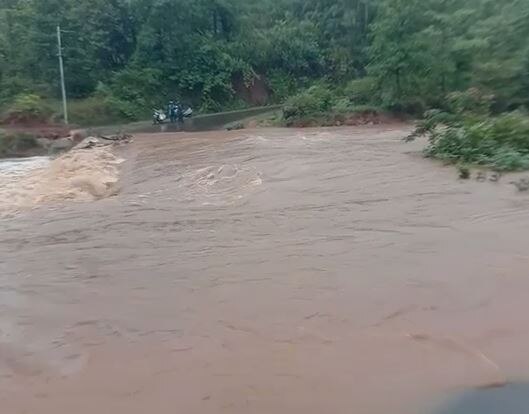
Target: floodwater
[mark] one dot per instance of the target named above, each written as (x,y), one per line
(15,167)
(266,271)
(78,175)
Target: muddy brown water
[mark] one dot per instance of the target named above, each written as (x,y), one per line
(266,271)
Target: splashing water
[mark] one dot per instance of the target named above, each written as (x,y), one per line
(76,176)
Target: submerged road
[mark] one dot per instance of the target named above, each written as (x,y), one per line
(266,271)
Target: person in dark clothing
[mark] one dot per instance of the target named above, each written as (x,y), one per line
(172,111)
(180,112)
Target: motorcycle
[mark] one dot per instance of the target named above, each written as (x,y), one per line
(188,112)
(158,117)
(181,112)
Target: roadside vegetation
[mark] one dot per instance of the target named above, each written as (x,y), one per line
(324,105)
(468,133)
(27,109)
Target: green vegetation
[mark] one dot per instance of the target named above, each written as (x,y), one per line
(314,101)
(321,105)
(468,133)
(320,57)
(27,108)
(501,142)
(94,111)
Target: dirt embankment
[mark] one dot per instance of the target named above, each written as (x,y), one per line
(25,145)
(32,139)
(48,131)
(277,119)
(346,119)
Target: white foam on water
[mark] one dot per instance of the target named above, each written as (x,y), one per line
(82,175)
(15,167)
(222,184)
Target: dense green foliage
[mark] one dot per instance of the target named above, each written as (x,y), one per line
(27,108)
(321,105)
(128,56)
(500,142)
(315,100)
(467,133)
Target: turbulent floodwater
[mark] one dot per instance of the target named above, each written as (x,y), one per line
(268,271)
(15,167)
(79,175)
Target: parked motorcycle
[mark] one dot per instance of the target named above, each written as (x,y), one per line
(158,117)
(177,113)
(188,112)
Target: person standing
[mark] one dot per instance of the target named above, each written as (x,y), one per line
(180,112)
(172,111)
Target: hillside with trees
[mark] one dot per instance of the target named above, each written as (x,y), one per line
(123,57)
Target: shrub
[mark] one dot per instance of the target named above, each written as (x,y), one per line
(28,109)
(94,111)
(471,101)
(315,100)
(133,92)
(281,84)
(363,109)
(410,106)
(506,159)
(511,130)
(343,106)
(501,143)
(361,91)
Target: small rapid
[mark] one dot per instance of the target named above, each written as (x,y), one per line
(79,175)
(12,168)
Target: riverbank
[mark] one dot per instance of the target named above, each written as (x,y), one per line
(18,141)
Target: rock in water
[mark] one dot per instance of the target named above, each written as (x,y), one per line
(88,143)
(61,144)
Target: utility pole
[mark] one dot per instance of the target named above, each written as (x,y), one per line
(61,69)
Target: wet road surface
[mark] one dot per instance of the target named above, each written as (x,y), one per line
(266,271)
